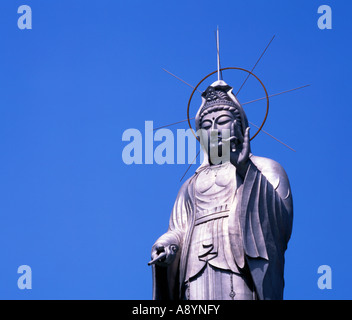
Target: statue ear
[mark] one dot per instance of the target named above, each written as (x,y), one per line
(233,131)
(197,118)
(238,131)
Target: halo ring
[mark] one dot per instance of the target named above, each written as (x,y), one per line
(229,68)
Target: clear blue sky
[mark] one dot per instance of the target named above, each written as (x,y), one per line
(88,70)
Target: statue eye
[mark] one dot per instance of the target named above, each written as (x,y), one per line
(206,124)
(223,120)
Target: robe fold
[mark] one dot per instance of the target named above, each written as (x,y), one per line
(260,224)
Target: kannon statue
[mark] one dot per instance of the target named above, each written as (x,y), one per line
(231,221)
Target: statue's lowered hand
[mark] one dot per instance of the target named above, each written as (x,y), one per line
(163,255)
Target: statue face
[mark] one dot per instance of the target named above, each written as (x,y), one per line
(216,126)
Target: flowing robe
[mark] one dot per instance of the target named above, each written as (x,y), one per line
(259,226)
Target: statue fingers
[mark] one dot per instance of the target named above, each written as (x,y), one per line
(154,255)
(246,137)
(158,259)
(171,251)
(245,147)
(156,250)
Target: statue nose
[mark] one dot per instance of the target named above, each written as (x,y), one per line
(214,126)
(214,134)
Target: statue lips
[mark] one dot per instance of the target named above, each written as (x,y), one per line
(220,143)
(221,140)
(215,142)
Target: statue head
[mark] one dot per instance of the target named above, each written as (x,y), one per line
(220,120)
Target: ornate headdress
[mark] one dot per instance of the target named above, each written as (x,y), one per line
(220,94)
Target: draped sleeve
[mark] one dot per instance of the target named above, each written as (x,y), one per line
(165,279)
(262,226)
